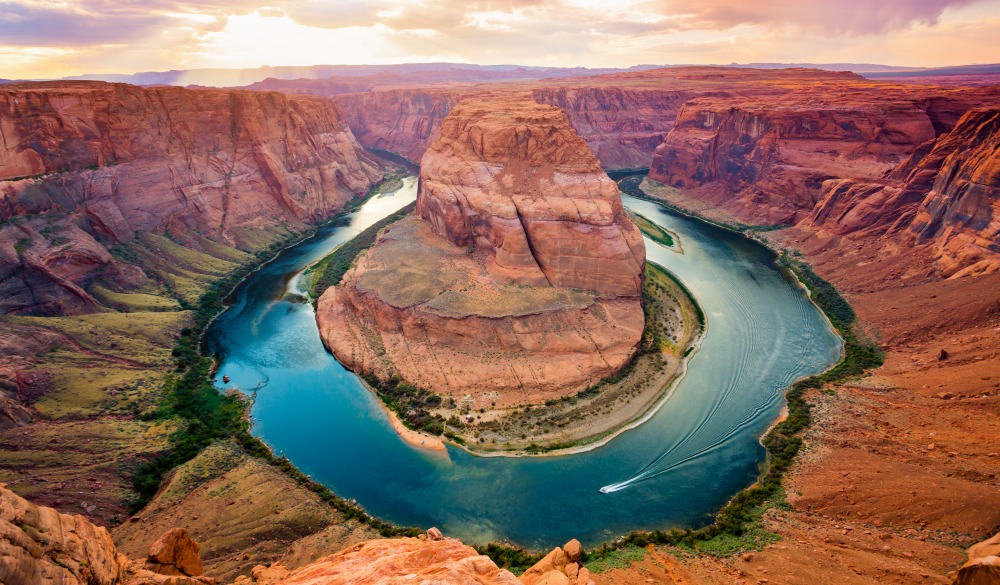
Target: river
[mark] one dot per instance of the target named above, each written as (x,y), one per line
(675,470)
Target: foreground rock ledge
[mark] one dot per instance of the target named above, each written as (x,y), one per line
(519,280)
(40,546)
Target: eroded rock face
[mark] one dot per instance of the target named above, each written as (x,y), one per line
(514,180)
(393,561)
(764,157)
(430,559)
(40,546)
(84,166)
(520,275)
(765,160)
(946,195)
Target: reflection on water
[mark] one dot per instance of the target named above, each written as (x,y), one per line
(677,469)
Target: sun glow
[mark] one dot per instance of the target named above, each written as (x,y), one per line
(41,39)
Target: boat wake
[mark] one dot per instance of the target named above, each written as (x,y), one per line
(700,441)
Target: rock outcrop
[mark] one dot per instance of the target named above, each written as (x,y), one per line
(512,179)
(40,546)
(562,566)
(763,158)
(389,562)
(623,117)
(520,276)
(945,195)
(983,567)
(84,166)
(429,559)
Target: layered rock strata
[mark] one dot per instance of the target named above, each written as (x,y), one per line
(945,195)
(763,156)
(520,276)
(85,166)
(40,546)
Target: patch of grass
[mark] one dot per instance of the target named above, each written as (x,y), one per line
(329,271)
(133,302)
(144,337)
(655,232)
(80,391)
(617,559)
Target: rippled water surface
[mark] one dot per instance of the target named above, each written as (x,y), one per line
(677,469)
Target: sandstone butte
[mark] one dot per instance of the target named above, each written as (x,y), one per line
(88,165)
(40,546)
(520,274)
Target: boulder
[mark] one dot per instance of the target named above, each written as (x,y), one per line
(174,553)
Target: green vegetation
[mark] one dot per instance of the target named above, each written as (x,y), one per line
(620,558)
(738,526)
(331,269)
(133,302)
(655,232)
(410,403)
(514,559)
(206,416)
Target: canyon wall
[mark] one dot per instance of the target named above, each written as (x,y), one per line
(622,126)
(946,195)
(623,117)
(764,159)
(404,121)
(520,275)
(86,166)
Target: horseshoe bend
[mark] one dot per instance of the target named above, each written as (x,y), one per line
(682,324)
(517,281)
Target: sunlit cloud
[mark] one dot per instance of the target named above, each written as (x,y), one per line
(48,38)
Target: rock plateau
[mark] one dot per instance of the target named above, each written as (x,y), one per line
(520,274)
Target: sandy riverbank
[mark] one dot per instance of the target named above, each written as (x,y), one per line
(615,406)
(415,438)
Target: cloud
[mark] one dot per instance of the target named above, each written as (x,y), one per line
(97,22)
(850,17)
(167,34)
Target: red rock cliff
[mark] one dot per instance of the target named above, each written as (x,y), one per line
(513,179)
(764,158)
(623,117)
(946,195)
(521,274)
(101,161)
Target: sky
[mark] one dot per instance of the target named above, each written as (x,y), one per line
(56,38)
